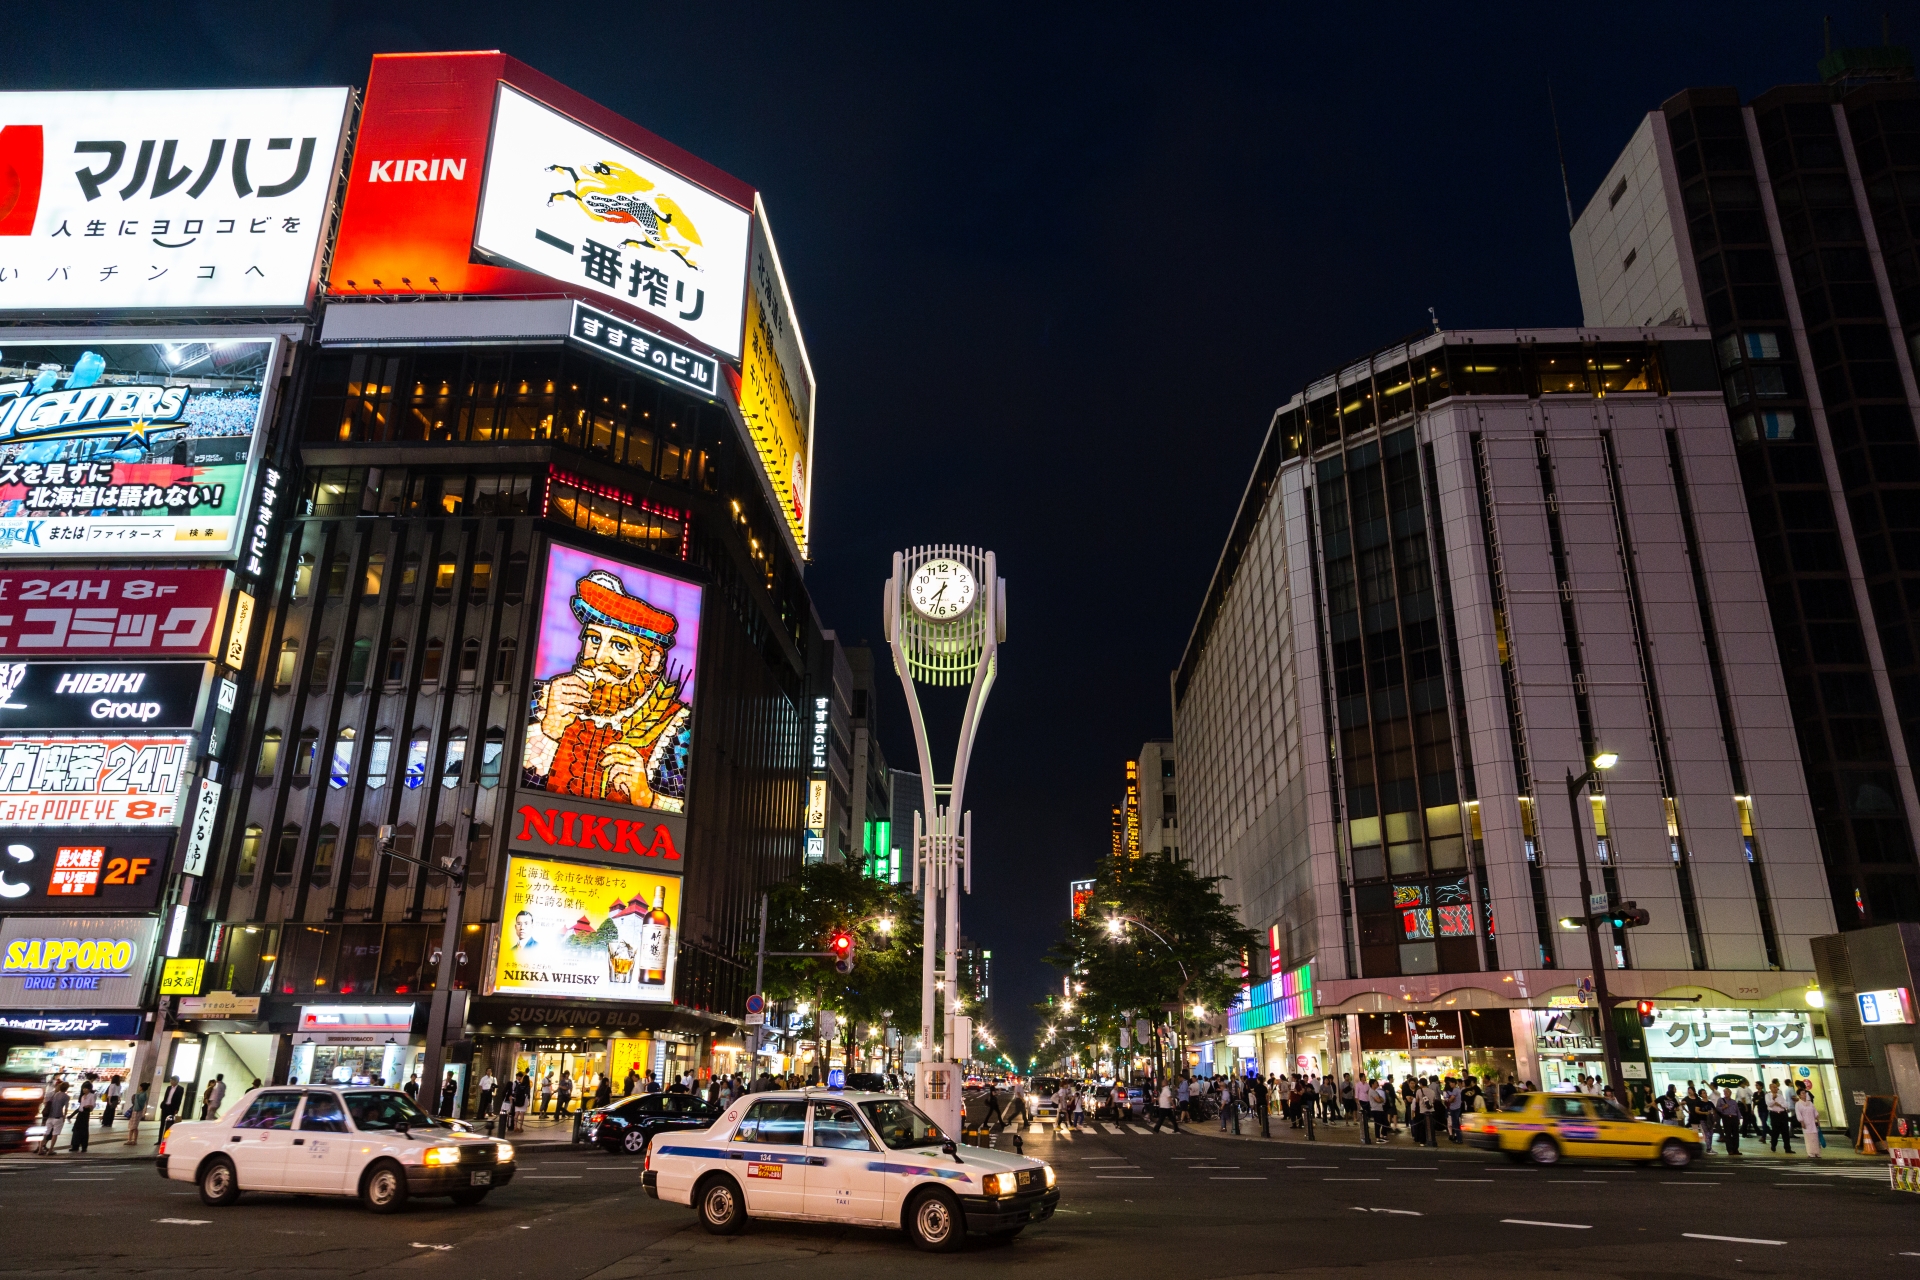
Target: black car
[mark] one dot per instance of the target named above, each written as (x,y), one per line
(628,1125)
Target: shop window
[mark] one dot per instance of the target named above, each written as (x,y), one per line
(299,971)
(359,963)
(505,650)
(241,959)
(469,662)
(516,583)
(269,760)
(400,955)
(322,670)
(444,574)
(324,846)
(376,570)
(287,852)
(456,757)
(492,752)
(436,658)
(337,576)
(396,672)
(409,578)
(303,576)
(340,772)
(304,752)
(416,759)
(288,666)
(479,579)
(249,855)
(358,660)
(379,759)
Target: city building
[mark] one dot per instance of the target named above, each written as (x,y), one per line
(1787,226)
(975,964)
(872,781)
(831,832)
(1461,569)
(1159,815)
(904,788)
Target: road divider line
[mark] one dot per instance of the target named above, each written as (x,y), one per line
(185,1222)
(1405,1213)
(1529,1222)
(1695,1235)
(1349,1179)
(1463,1179)
(1240,1178)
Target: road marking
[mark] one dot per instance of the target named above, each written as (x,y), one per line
(1349,1179)
(552,1177)
(1529,1222)
(1370,1159)
(1110,1128)
(1414,1168)
(1575,1182)
(1320,1166)
(81,1179)
(1124,1177)
(1463,1179)
(185,1222)
(1200,1168)
(1138,1129)
(1405,1213)
(442,1248)
(1240,1178)
(1695,1235)
(1703,1184)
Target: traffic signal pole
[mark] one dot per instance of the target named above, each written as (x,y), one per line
(1609,1039)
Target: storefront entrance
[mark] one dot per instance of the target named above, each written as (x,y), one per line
(547,1063)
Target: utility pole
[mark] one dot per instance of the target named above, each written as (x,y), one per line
(1609,1040)
(454,868)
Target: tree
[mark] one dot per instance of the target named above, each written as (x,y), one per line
(804,913)
(1156,941)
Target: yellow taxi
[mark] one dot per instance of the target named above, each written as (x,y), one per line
(1549,1127)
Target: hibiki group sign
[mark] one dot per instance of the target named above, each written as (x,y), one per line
(120,613)
(128,449)
(151,200)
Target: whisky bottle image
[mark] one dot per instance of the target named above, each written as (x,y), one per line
(656,936)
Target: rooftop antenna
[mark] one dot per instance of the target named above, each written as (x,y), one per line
(1435,318)
(1565,193)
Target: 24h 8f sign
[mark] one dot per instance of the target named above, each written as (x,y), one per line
(117,613)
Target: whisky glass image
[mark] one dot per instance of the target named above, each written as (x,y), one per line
(620,960)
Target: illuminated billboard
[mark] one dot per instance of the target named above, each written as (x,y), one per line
(1080,892)
(568,202)
(162,200)
(776,383)
(120,613)
(95,695)
(62,870)
(587,933)
(611,716)
(88,963)
(129,449)
(57,780)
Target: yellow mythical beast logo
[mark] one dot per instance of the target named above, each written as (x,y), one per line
(613,193)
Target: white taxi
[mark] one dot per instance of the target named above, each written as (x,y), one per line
(871,1159)
(373,1143)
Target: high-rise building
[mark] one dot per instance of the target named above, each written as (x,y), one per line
(904,788)
(1789,226)
(1462,568)
(871,780)
(1158,810)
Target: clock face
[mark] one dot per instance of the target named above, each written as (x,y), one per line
(941,589)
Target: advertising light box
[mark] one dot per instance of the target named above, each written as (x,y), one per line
(776,383)
(129,449)
(92,781)
(101,695)
(69,963)
(590,933)
(119,613)
(164,200)
(567,202)
(100,870)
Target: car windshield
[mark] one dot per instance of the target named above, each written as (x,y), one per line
(387,1109)
(901,1125)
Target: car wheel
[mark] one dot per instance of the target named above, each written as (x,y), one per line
(384,1188)
(1674,1154)
(218,1184)
(1544,1151)
(934,1222)
(470,1195)
(634,1141)
(722,1212)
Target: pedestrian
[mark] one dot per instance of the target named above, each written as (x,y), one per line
(170,1099)
(1257,1091)
(1778,1109)
(82,1115)
(1363,1103)
(1727,1108)
(564,1092)
(54,1116)
(1169,1107)
(522,1094)
(632,1083)
(109,1101)
(449,1090)
(1808,1115)
(1455,1101)
(136,1112)
(216,1098)
(487,1083)
(412,1087)
(603,1092)
(1668,1105)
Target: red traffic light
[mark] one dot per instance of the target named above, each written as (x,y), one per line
(1646,1008)
(842,943)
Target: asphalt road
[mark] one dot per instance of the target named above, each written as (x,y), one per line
(1132,1205)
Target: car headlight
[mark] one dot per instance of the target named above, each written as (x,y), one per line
(1002,1184)
(23,1093)
(441,1155)
(503,1152)
(1049,1169)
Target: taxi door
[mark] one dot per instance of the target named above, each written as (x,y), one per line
(1570,1119)
(322,1146)
(769,1156)
(845,1178)
(261,1140)
(1620,1133)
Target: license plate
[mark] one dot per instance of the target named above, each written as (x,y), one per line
(482,1177)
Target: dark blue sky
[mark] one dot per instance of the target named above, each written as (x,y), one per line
(1056,267)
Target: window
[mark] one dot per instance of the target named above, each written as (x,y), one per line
(469,662)
(379,759)
(456,757)
(269,761)
(1613,197)
(341,771)
(324,1114)
(396,673)
(479,579)
(384,1110)
(436,657)
(303,577)
(774,1122)
(516,584)
(249,854)
(409,577)
(1166,768)
(324,846)
(376,569)
(835,1125)
(492,753)
(322,665)
(303,754)
(358,659)
(270,1111)
(417,759)
(501,495)
(337,575)
(287,851)
(288,665)
(443,575)
(505,650)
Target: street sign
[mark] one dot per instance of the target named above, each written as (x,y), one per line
(756,1010)
(1596,902)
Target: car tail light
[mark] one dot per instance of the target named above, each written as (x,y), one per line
(23,1093)
(163,1148)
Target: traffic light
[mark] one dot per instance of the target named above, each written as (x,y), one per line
(1627,915)
(842,947)
(1646,1013)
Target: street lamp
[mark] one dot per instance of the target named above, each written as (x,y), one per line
(1609,1041)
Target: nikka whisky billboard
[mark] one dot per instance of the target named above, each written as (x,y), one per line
(586,933)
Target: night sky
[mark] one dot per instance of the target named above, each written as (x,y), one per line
(1056,269)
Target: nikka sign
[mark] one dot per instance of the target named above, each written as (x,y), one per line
(569,827)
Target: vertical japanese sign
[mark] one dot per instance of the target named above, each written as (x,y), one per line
(776,383)
(570,203)
(129,449)
(153,200)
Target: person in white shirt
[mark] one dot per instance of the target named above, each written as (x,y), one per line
(1808,1115)
(1363,1099)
